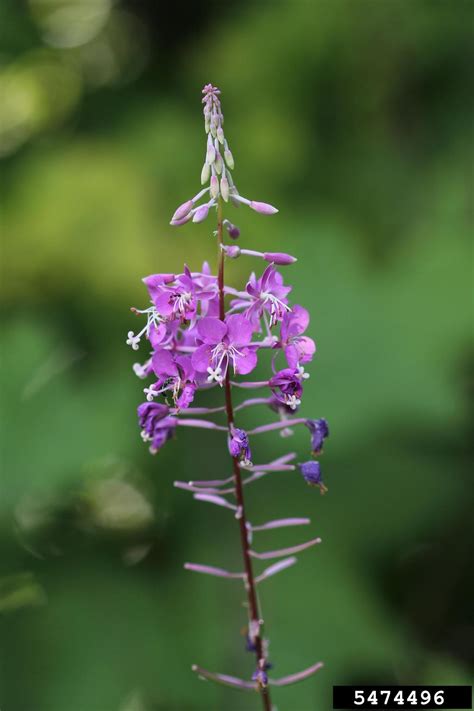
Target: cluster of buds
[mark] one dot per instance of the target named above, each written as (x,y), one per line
(204,334)
(218,164)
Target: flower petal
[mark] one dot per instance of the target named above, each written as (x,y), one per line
(239,329)
(201,358)
(245,363)
(163,363)
(211,330)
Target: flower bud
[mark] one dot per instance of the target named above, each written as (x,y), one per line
(211,151)
(225,188)
(232,251)
(182,210)
(279,258)
(205,173)
(214,186)
(263,208)
(220,134)
(219,163)
(201,213)
(229,158)
(182,220)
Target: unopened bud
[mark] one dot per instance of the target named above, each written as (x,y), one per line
(205,173)
(201,213)
(182,220)
(218,163)
(220,134)
(211,151)
(183,210)
(232,251)
(225,188)
(229,158)
(263,208)
(214,186)
(279,258)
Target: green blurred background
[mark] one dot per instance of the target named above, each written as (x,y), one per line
(353,117)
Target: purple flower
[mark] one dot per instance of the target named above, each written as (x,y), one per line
(179,300)
(156,425)
(267,295)
(287,387)
(319,431)
(298,348)
(176,376)
(239,447)
(223,344)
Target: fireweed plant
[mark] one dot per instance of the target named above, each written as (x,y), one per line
(204,334)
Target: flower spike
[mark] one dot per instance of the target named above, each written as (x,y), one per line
(203,334)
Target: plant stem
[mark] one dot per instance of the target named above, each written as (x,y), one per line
(250,586)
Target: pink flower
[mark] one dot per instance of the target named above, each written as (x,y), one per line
(267,294)
(175,376)
(224,343)
(179,298)
(298,348)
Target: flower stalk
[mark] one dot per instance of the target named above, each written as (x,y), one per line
(198,342)
(255,622)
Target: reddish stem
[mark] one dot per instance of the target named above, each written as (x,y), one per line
(250,585)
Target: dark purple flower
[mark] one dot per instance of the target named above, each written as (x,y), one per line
(287,387)
(223,344)
(298,348)
(319,431)
(311,472)
(239,446)
(156,425)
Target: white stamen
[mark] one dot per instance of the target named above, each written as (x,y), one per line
(292,401)
(151,393)
(153,319)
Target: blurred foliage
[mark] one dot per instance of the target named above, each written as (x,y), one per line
(354,118)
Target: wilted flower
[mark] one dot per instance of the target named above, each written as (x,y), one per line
(239,446)
(156,425)
(311,472)
(319,431)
